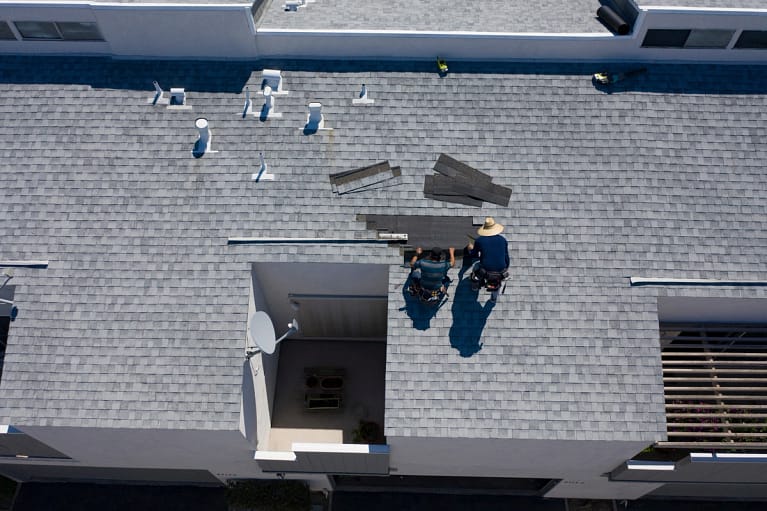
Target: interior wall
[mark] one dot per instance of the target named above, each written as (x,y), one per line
(277,280)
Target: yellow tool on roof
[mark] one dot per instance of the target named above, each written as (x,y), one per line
(442,65)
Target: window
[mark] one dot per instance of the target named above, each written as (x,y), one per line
(752,39)
(79,31)
(44,30)
(664,38)
(66,30)
(709,39)
(6,34)
(657,38)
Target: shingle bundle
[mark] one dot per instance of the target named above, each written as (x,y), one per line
(459,183)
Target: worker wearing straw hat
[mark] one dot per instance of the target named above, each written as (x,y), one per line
(491,248)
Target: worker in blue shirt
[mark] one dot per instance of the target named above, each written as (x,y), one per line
(430,273)
(491,248)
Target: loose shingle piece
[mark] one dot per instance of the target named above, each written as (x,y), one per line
(364,178)
(459,183)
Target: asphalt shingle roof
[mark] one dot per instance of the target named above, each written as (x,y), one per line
(139,321)
(550,16)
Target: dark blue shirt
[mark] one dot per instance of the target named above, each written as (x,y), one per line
(432,272)
(493,252)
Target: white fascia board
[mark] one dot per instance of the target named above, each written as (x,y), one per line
(665,466)
(728,457)
(704,10)
(340,448)
(274,456)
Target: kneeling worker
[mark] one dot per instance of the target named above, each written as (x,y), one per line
(430,273)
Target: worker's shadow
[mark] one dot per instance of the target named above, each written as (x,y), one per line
(418,311)
(469,316)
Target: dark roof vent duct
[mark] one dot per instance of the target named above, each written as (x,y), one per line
(611,18)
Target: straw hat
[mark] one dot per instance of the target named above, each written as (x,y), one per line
(490,228)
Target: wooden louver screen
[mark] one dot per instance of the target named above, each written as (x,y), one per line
(715,384)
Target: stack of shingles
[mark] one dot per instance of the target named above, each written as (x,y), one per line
(372,177)
(457,182)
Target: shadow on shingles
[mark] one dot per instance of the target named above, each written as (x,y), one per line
(418,312)
(469,316)
(199,149)
(264,115)
(311,128)
(230,76)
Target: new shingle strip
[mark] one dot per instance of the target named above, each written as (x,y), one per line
(371,183)
(362,172)
(366,182)
(456,199)
(451,167)
(489,192)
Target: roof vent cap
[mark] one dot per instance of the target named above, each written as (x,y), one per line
(272,78)
(177,96)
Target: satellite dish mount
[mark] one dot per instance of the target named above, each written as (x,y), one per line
(262,337)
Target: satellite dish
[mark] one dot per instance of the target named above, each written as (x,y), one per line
(262,336)
(262,332)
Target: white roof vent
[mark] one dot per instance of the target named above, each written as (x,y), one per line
(267,111)
(273,79)
(176,100)
(293,5)
(202,146)
(362,98)
(177,96)
(315,121)
(248,108)
(262,174)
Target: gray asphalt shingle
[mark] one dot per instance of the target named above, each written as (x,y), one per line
(139,321)
(549,16)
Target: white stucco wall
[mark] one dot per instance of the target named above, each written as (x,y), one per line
(141,30)
(580,464)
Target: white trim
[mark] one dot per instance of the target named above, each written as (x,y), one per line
(666,466)
(703,10)
(96,5)
(331,448)
(274,456)
(728,457)
(4,429)
(22,264)
(267,240)
(694,282)
(436,34)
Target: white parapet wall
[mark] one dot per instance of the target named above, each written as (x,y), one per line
(139,30)
(399,45)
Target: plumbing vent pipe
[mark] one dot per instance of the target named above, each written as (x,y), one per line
(202,126)
(268,98)
(247,97)
(315,114)
(363,99)
(611,18)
